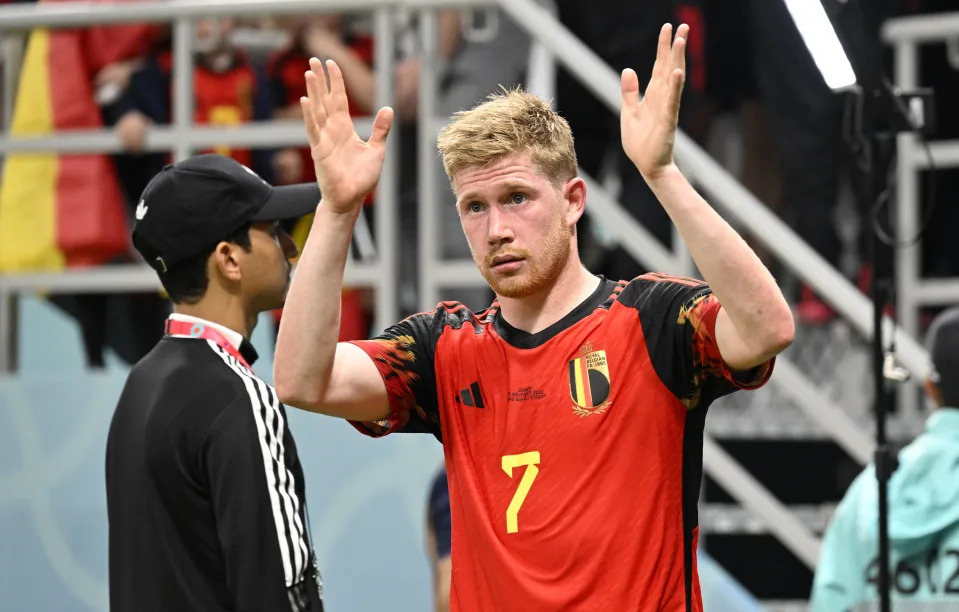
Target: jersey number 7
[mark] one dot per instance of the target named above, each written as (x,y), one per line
(531,460)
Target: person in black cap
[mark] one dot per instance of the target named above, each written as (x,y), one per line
(923,508)
(205,493)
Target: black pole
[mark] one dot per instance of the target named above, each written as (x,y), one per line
(878,114)
(883,278)
(882,450)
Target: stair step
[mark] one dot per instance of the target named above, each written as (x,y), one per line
(726,519)
(785,605)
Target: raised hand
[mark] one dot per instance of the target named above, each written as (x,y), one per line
(347,167)
(649,126)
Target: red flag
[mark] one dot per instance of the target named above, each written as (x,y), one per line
(58,210)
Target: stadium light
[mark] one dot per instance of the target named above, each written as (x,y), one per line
(823,43)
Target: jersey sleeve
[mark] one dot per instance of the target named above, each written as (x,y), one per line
(678,318)
(404,355)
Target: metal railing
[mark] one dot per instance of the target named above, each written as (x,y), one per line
(733,199)
(913,291)
(183,138)
(726,192)
(736,202)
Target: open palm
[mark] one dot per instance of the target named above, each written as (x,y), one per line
(347,167)
(649,126)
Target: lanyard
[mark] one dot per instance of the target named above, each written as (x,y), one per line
(205,332)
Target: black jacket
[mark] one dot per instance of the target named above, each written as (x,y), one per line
(205,492)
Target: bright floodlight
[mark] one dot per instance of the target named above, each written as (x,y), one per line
(823,44)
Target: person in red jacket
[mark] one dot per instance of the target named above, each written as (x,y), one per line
(322,36)
(317,37)
(71,73)
(228,90)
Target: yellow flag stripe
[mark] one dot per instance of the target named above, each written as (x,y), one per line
(580,387)
(28,231)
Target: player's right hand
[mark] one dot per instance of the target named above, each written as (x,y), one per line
(347,167)
(648,127)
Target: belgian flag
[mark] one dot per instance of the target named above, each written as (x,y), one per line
(64,210)
(60,211)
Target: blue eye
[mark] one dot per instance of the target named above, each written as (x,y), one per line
(517,198)
(476,207)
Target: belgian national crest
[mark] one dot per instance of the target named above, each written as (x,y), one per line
(589,382)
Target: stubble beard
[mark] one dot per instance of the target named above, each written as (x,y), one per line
(538,272)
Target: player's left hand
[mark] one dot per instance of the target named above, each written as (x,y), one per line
(649,126)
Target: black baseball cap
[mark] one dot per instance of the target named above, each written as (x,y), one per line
(190,206)
(942,341)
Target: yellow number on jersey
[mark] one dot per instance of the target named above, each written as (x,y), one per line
(531,460)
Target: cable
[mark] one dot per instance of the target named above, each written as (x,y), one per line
(883,200)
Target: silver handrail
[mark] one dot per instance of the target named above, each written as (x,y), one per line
(912,289)
(905,34)
(70,14)
(131,277)
(159,138)
(921,28)
(182,138)
(749,492)
(725,191)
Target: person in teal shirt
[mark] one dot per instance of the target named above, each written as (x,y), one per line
(923,509)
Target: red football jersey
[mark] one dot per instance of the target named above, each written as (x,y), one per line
(221,98)
(574,455)
(285,70)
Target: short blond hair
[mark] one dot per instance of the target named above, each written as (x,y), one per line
(509,122)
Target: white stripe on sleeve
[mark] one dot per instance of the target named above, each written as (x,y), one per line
(280,483)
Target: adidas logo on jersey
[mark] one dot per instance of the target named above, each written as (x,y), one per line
(471,396)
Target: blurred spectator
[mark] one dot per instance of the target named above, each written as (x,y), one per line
(68,210)
(228,90)
(731,91)
(625,35)
(324,37)
(343,40)
(320,37)
(438,540)
(805,120)
(923,508)
(481,51)
(450,26)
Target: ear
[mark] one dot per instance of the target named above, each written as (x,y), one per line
(226,262)
(574,193)
(932,390)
